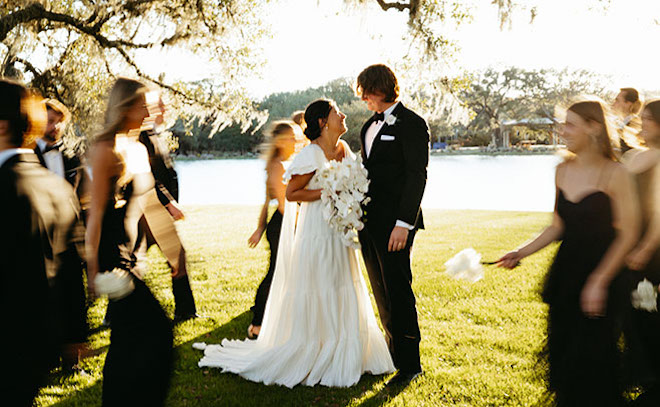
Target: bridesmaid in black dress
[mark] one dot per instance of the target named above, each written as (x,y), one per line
(596,219)
(137,366)
(642,332)
(282,145)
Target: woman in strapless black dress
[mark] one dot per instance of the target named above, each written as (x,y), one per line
(596,219)
(642,328)
(138,363)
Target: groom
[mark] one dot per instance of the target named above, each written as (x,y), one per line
(395,151)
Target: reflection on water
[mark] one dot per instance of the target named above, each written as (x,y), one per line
(524,183)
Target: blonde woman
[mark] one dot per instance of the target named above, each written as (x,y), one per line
(137,367)
(596,219)
(283,137)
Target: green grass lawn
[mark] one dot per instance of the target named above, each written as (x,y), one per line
(479,341)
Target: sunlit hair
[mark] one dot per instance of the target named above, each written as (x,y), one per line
(123,94)
(24,112)
(378,79)
(315,111)
(58,107)
(298,117)
(594,111)
(632,95)
(277,129)
(653,107)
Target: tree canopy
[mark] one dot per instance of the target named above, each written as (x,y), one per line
(74,49)
(494,96)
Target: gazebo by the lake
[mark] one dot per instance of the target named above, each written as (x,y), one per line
(507,126)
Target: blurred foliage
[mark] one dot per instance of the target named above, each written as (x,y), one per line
(195,135)
(73,50)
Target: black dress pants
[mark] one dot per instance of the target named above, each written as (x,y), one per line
(273,236)
(391,282)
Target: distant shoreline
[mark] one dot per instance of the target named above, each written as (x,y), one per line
(548,151)
(215,156)
(434,153)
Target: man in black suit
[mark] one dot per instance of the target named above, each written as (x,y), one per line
(40,228)
(395,151)
(65,163)
(55,156)
(164,234)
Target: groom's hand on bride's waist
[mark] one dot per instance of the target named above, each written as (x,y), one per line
(398,239)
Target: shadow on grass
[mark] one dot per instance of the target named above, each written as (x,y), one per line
(192,386)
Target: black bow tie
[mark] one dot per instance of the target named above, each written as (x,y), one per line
(55,147)
(379,117)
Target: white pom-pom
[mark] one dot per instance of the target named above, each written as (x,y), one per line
(466,265)
(644,297)
(115,284)
(199,345)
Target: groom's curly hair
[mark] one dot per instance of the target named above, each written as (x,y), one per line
(378,79)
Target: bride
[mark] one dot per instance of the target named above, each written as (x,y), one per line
(319,325)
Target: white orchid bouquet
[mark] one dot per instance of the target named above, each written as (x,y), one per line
(345,186)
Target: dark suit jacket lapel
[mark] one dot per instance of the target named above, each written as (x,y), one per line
(383,128)
(72,169)
(40,156)
(363,134)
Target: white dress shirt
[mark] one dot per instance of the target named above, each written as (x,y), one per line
(370,137)
(372,131)
(53,158)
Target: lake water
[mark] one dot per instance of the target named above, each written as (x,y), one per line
(505,182)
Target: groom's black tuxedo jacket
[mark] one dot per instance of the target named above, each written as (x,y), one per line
(397,171)
(42,296)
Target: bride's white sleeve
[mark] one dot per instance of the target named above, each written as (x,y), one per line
(304,162)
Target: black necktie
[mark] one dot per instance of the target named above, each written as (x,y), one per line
(379,117)
(52,147)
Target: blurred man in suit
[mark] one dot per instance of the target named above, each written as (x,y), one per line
(40,229)
(66,163)
(156,226)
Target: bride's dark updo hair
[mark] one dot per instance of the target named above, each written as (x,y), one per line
(318,109)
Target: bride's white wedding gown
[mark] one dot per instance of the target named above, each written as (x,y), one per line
(319,325)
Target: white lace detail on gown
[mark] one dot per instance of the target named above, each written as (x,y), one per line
(319,325)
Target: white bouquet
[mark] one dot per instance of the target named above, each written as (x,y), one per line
(644,297)
(466,265)
(115,284)
(345,186)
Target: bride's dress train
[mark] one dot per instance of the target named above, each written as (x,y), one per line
(319,325)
